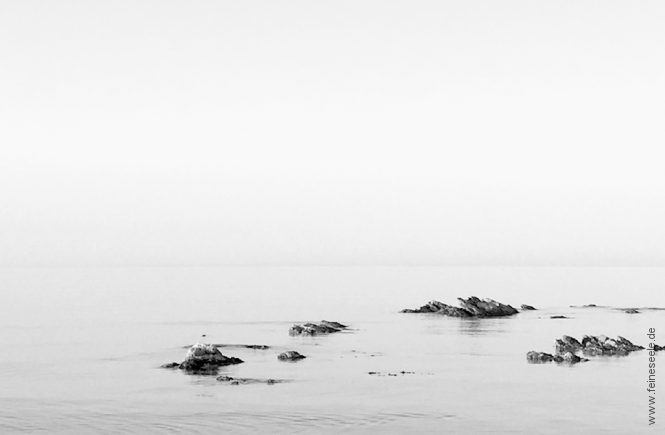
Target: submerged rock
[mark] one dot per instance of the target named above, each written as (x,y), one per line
(324,327)
(172,365)
(559,317)
(239,381)
(204,359)
(290,355)
(539,357)
(526,307)
(239,346)
(534,357)
(631,311)
(471,307)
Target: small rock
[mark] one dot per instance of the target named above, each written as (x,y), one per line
(324,327)
(206,359)
(172,365)
(631,311)
(538,357)
(567,344)
(290,355)
(525,307)
(559,317)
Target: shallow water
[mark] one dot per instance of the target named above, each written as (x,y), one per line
(82,349)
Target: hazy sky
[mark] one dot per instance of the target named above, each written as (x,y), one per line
(332,132)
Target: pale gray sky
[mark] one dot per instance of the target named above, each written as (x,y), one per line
(332,132)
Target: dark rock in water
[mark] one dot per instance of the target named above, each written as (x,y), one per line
(173,365)
(324,327)
(290,355)
(559,317)
(439,308)
(603,345)
(241,381)
(486,307)
(526,307)
(471,307)
(534,357)
(539,357)
(631,311)
(567,344)
(656,347)
(239,346)
(206,359)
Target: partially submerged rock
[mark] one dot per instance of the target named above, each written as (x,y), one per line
(559,317)
(471,307)
(526,307)
(631,311)
(238,346)
(534,357)
(567,344)
(655,347)
(290,355)
(241,381)
(204,359)
(172,365)
(324,327)
(603,345)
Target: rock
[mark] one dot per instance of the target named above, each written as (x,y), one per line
(534,357)
(486,307)
(567,344)
(471,307)
(239,381)
(290,355)
(559,317)
(172,365)
(324,327)
(439,308)
(538,357)
(595,346)
(526,307)
(656,348)
(239,346)
(631,311)
(206,359)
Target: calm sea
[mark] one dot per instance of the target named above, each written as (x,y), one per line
(81,350)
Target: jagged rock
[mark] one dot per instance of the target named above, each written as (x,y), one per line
(656,348)
(567,344)
(324,327)
(631,311)
(206,359)
(526,307)
(471,307)
(486,307)
(239,381)
(439,308)
(172,365)
(602,345)
(290,355)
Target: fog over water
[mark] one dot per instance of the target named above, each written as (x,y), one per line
(373,132)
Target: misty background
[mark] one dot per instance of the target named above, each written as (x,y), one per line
(332,133)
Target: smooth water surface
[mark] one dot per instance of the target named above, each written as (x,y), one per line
(82,349)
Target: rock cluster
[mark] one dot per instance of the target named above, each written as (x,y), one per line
(203,359)
(324,327)
(471,307)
